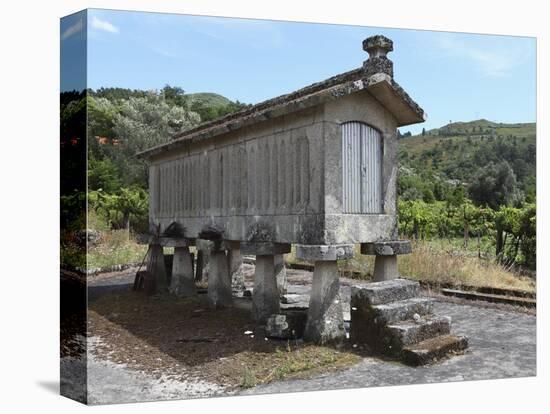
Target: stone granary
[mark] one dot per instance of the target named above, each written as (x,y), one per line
(315,168)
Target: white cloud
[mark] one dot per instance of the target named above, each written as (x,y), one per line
(104,25)
(491,60)
(72,30)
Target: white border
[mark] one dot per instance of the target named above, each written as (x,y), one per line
(29,206)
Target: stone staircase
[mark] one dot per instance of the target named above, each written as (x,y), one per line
(391,318)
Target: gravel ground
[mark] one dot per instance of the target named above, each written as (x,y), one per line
(502,345)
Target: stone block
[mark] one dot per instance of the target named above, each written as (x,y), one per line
(402,310)
(288,325)
(378,293)
(387,248)
(264,248)
(410,332)
(316,253)
(433,349)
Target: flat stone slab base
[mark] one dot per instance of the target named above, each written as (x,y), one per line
(433,349)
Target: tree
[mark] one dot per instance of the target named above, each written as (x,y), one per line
(143,123)
(495,185)
(423,131)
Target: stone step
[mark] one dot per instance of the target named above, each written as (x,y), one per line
(379,293)
(401,310)
(433,349)
(413,331)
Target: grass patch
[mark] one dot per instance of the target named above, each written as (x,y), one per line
(116,247)
(440,262)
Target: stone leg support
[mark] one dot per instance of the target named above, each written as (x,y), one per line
(156,266)
(386,252)
(385,268)
(183,283)
(203,260)
(325,318)
(219,280)
(265,296)
(280,273)
(236,269)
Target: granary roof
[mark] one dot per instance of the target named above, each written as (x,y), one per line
(375,76)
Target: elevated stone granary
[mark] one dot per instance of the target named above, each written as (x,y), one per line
(315,168)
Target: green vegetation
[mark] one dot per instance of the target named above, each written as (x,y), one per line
(472,180)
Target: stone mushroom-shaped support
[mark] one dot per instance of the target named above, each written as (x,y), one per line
(386,252)
(183,281)
(325,318)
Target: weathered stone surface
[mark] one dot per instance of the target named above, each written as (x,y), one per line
(219,283)
(325,319)
(183,282)
(316,253)
(265,296)
(175,242)
(202,268)
(288,325)
(385,268)
(378,293)
(410,332)
(387,248)
(156,266)
(236,270)
(264,248)
(280,273)
(401,310)
(433,349)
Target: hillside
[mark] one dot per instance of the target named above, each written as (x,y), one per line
(456,152)
(207,99)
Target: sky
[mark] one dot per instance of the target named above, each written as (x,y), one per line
(452,76)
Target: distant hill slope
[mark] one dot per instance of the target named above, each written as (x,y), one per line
(458,150)
(208,99)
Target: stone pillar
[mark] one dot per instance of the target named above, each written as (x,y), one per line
(203,260)
(219,281)
(385,262)
(385,268)
(265,296)
(155,266)
(325,317)
(236,269)
(183,282)
(280,274)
